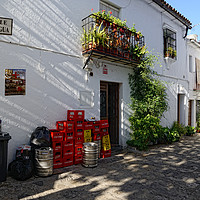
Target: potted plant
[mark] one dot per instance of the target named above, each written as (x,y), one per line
(169,52)
(174,54)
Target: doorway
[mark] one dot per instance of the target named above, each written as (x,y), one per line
(109,108)
(181,109)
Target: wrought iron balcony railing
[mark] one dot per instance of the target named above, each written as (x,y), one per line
(107,40)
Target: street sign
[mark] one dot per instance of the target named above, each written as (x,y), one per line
(6,26)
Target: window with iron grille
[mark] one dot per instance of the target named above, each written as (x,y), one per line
(108,7)
(169,38)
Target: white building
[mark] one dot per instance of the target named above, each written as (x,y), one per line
(193,63)
(46,42)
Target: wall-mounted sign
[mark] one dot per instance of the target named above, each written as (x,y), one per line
(6,26)
(105,70)
(15,82)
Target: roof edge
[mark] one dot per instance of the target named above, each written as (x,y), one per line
(163,4)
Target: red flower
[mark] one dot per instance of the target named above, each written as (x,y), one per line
(92,9)
(111,12)
(103,10)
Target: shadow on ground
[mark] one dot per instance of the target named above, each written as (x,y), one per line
(163,172)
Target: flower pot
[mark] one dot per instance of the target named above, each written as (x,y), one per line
(137,37)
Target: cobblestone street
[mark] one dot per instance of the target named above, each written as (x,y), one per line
(163,172)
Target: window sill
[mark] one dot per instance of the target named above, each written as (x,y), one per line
(169,61)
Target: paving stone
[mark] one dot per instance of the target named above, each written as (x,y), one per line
(163,172)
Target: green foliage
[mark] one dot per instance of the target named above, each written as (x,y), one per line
(190,130)
(148,101)
(198,120)
(179,128)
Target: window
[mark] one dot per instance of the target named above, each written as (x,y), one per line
(107,7)
(169,38)
(190,64)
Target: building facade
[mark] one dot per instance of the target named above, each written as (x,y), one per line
(193,63)
(44,74)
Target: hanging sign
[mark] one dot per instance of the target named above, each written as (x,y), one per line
(6,26)
(105,70)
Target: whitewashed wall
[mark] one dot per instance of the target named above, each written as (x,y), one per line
(46,42)
(193,50)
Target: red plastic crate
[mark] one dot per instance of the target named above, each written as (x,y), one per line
(69,136)
(79,133)
(104,123)
(88,125)
(57,145)
(66,126)
(78,140)
(68,143)
(96,136)
(96,126)
(105,154)
(68,161)
(104,131)
(78,149)
(57,155)
(56,135)
(68,151)
(79,124)
(75,114)
(58,163)
(78,159)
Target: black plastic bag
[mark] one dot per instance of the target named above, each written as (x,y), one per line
(21,169)
(41,137)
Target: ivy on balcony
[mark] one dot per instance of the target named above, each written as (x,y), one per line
(107,37)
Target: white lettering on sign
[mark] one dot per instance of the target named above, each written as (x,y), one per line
(6,26)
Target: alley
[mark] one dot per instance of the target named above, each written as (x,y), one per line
(163,172)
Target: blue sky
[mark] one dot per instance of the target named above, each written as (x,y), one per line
(191,10)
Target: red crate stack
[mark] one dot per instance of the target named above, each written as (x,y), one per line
(67,129)
(104,131)
(96,132)
(70,134)
(57,138)
(77,116)
(104,127)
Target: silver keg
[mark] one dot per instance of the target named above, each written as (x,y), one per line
(98,142)
(90,154)
(44,161)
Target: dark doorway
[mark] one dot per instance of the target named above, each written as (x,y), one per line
(109,108)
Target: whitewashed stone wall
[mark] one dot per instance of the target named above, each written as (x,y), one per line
(46,42)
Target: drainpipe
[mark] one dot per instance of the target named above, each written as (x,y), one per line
(186,32)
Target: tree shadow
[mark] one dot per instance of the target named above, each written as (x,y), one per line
(164,172)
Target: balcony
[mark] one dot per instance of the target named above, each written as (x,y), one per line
(103,39)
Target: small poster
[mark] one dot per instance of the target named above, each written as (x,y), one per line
(15,82)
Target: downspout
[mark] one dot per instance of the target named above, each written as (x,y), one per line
(186,32)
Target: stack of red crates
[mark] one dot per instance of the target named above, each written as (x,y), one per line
(104,132)
(96,132)
(67,128)
(69,136)
(57,142)
(77,117)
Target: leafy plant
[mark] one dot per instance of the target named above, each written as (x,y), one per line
(148,102)
(170,52)
(99,35)
(190,130)
(179,128)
